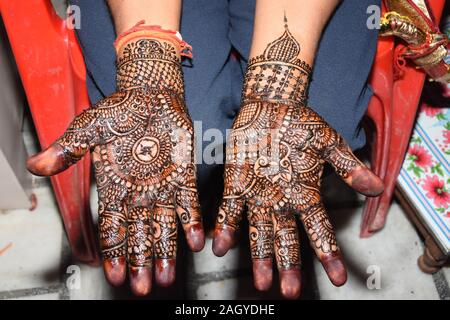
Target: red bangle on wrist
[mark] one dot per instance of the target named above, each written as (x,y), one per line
(155,31)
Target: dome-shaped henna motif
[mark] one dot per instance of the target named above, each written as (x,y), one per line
(285,48)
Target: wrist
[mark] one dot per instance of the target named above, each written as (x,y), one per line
(150,57)
(278,74)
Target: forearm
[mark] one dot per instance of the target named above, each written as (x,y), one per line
(148,53)
(306,21)
(285,39)
(126,13)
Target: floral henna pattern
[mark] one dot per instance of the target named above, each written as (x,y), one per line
(274,164)
(142,141)
(139,164)
(274,161)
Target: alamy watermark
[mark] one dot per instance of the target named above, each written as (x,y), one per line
(73,281)
(374,19)
(73,17)
(373,281)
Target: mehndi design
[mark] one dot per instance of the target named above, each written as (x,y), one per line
(142,137)
(274,161)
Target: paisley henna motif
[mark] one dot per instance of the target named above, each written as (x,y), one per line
(274,161)
(142,141)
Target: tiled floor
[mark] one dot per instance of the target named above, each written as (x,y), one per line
(36,264)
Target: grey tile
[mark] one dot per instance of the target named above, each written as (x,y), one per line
(446,271)
(30,293)
(48,296)
(442,285)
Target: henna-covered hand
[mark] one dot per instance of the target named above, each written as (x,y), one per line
(274,161)
(142,137)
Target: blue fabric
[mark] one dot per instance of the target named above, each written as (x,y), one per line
(213,79)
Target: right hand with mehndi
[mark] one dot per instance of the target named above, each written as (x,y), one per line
(274,162)
(142,141)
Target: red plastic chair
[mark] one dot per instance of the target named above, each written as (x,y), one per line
(397,91)
(52,70)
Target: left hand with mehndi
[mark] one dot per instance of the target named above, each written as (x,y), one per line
(274,162)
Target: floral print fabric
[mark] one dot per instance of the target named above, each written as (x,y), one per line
(425,175)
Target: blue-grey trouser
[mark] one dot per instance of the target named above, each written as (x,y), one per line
(213,80)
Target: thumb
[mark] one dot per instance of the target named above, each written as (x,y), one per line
(352,170)
(81,135)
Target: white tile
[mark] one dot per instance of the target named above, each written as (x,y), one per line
(236,288)
(233,288)
(93,200)
(225,289)
(93,285)
(205,260)
(394,250)
(33,259)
